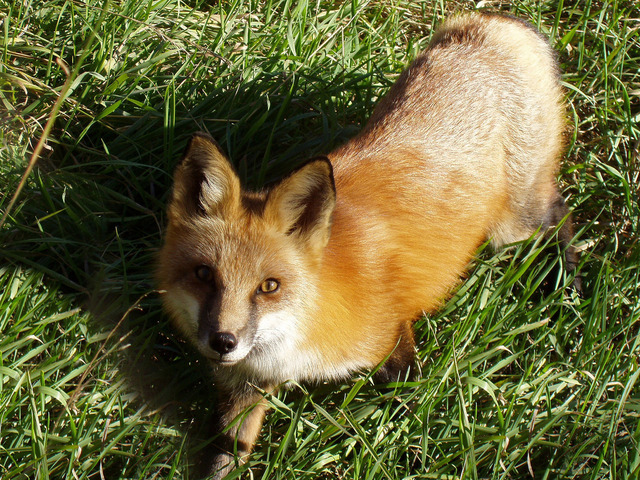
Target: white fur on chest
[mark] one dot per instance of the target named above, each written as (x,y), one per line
(282,353)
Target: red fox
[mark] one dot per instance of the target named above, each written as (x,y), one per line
(323,274)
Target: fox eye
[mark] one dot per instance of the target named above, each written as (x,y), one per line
(270,285)
(204,273)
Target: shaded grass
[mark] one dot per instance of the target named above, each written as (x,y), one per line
(515,382)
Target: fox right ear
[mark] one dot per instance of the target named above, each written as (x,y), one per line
(204,181)
(302,204)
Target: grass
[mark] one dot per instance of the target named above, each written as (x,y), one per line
(515,383)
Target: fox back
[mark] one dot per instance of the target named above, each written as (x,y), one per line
(324,273)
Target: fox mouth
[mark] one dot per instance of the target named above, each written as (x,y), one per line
(223,361)
(226,359)
(220,359)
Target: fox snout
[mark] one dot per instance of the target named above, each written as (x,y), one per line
(225,346)
(212,333)
(223,342)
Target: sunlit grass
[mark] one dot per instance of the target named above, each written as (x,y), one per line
(519,376)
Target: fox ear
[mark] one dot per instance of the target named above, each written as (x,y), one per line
(204,181)
(303,203)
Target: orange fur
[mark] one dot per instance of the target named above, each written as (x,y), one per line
(354,247)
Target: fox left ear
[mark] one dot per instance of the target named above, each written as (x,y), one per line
(204,181)
(303,202)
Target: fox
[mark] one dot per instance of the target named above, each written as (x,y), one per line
(323,274)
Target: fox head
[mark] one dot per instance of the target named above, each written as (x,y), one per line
(237,268)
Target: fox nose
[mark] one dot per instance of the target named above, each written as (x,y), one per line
(223,342)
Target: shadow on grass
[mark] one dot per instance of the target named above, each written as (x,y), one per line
(91,217)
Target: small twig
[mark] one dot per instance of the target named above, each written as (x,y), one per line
(43,138)
(71,76)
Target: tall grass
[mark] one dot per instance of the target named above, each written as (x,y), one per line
(519,378)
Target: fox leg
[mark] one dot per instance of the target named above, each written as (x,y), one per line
(401,360)
(542,208)
(556,213)
(243,408)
